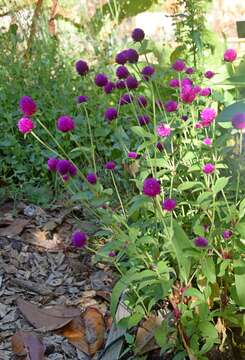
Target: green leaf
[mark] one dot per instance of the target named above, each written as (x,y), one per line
(161,334)
(189,185)
(194,292)
(230,111)
(138,130)
(208,269)
(241,228)
(220,184)
(208,330)
(239,269)
(139,202)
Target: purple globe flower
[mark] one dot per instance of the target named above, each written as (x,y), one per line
(82,67)
(201,241)
(160,146)
(122,57)
(207,141)
(120,84)
(189,70)
(151,187)
(147,72)
(227,234)
(125,99)
(186,81)
(112,253)
(82,99)
(163,130)
(52,164)
(142,102)
(174,83)
(132,56)
(178,65)
(122,72)
(65,123)
(132,82)
(205,92)
(138,35)
(209,74)
(207,116)
(110,114)
(208,168)
(110,165)
(65,177)
(230,55)
(25,125)
(27,105)
(184,117)
(143,119)
(188,94)
(79,239)
(72,170)
(91,178)
(109,87)
(238,121)
(171,106)
(133,155)
(197,89)
(100,80)
(169,204)
(63,166)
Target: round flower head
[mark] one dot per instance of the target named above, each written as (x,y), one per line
(65,123)
(132,56)
(208,168)
(82,67)
(160,146)
(178,65)
(120,84)
(65,177)
(227,234)
(188,94)
(184,117)
(122,72)
(112,253)
(110,114)
(151,187)
(100,80)
(138,35)
(209,74)
(52,164)
(197,89)
(109,87)
(174,83)
(238,121)
(79,239)
(186,81)
(72,170)
(147,72)
(142,102)
(91,178)
(205,92)
(143,119)
(110,165)
(25,125)
(133,155)
(63,166)
(207,141)
(169,204)
(82,99)
(201,241)
(122,57)
(189,70)
(125,99)
(27,105)
(132,82)
(230,55)
(171,106)
(207,116)
(163,130)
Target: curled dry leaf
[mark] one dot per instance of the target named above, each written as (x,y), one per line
(27,343)
(15,228)
(145,341)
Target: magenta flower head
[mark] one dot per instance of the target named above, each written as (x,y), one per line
(227,234)
(133,155)
(189,70)
(122,57)
(109,87)
(201,242)
(143,119)
(186,81)
(110,114)
(171,106)
(178,65)
(169,204)
(63,167)
(122,72)
(132,82)
(163,130)
(82,99)
(207,141)
(238,121)
(205,91)
(160,146)
(184,117)
(230,55)
(207,116)
(110,165)
(72,170)
(197,89)
(147,72)
(151,187)
(100,80)
(91,178)
(79,239)
(27,105)
(142,102)
(25,125)
(81,67)
(120,84)
(112,253)
(132,56)
(208,168)
(209,74)
(52,164)
(188,94)
(174,83)
(65,177)
(125,99)
(65,123)
(138,35)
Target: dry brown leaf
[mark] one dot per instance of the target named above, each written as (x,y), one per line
(38,237)
(86,332)
(47,319)
(15,228)
(27,343)
(145,341)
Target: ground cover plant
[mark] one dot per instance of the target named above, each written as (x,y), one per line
(158,160)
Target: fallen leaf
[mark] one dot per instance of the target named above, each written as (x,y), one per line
(86,332)
(15,228)
(47,319)
(38,237)
(27,343)
(145,340)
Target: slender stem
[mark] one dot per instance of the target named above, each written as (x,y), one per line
(118,195)
(91,139)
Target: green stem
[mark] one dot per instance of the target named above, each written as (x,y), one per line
(118,195)
(91,139)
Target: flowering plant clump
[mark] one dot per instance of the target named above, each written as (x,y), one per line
(159,175)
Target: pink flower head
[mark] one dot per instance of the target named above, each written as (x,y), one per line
(174,83)
(65,177)
(205,91)
(188,94)
(186,81)
(151,187)
(110,114)
(230,55)
(82,67)
(65,123)
(169,204)
(207,116)
(209,74)
(110,165)
(112,253)
(100,80)
(163,130)
(171,106)
(27,105)
(52,164)
(178,65)
(208,168)
(197,89)
(147,72)
(227,234)
(238,121)
(79,239)
(189,70)
(132,82)
(91,178)
(72,170)
(133,155)
(25,125)
(122,72)
(109,87)
(201,241)
(207,141)
(198,125)
(63,166)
